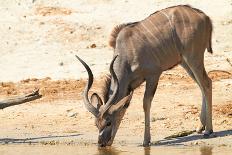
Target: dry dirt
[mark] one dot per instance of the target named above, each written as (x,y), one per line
(39,40)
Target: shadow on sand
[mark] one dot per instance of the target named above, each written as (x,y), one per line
(33,140)
(180,140)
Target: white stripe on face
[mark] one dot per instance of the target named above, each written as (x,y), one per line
(101,133)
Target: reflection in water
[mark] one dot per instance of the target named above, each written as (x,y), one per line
(147,150)
(108,151)
(154,150)
(118,150)
(206,150)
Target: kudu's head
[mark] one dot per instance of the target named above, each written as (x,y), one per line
(108,114)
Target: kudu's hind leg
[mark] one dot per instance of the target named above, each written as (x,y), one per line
(151,85)
(205,85)
(201,126)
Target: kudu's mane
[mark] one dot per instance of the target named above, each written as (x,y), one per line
(115,32)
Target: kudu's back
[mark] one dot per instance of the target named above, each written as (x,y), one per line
(164,37)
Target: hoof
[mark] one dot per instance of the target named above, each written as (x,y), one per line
(146,144)
(208,134)
(200,129)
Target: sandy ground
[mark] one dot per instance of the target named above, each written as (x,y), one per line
(39,40)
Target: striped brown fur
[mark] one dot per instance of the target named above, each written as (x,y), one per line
(178,35)
(118,28)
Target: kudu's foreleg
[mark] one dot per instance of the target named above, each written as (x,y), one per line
(151,85)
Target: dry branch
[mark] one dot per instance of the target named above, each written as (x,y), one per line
(20,99)
(181,134)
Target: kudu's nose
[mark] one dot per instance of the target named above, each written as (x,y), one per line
(102,145)
(100,142)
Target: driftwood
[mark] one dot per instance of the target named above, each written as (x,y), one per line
(181,134)
(20,99)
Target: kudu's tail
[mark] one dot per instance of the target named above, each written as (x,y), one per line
(209,47)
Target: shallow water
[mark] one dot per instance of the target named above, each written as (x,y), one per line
(121,150)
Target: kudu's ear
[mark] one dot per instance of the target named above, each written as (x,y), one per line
(96,101)
(123,103)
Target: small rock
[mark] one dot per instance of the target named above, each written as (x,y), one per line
(196,143)
(72,114)
(61,64)
(230,115)
(68,110)
(153,119)
(93,46)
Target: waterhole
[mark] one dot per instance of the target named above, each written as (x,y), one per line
(117,150)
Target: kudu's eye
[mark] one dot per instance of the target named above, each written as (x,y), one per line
(108,124)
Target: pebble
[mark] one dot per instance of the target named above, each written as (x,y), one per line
(72,114)
(93,46)
(61,64)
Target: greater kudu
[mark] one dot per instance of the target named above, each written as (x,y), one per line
(142,51)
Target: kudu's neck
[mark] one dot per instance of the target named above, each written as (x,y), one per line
(123,81)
